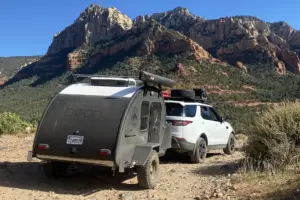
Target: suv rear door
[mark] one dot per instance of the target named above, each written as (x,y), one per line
(211,125)
(181,116)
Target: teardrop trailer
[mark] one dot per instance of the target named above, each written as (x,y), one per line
(118,122)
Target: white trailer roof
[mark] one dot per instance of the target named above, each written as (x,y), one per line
(90,90)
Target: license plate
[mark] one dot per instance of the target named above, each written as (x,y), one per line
(75,139)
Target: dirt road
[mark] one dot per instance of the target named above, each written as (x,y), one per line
(180,179)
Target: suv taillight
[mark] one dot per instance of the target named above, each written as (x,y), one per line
(180,122)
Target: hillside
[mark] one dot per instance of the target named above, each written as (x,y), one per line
(244,63)
(9,64)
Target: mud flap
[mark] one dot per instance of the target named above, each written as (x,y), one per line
(167,137)
(29,156)
(142,153)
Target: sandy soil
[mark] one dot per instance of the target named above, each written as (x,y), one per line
(180,179)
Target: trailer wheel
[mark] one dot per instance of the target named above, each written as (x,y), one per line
(55,169)
(148,175)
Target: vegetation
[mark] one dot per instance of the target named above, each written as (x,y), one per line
(12,123)
(9,64)
(274,137)
(29,96)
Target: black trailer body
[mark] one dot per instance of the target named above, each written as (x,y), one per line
(119,127)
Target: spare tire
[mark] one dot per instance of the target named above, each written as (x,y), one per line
(183,93)
(200,92)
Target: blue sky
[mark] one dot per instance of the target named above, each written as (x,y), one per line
(27,27)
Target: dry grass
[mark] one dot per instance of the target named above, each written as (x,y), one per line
(266,185)
(271,167)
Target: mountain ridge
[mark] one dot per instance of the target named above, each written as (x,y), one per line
(102,33)
(230,39)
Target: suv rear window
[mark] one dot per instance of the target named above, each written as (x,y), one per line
(176,109)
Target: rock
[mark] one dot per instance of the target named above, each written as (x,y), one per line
(182,70)
(28,130)
(3,79)
(292,59)
(95,24)
(280,67)
(220,195)
(126,196)
(234,187)
(241,66)
(74,60)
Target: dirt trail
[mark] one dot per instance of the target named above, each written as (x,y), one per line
(180,179)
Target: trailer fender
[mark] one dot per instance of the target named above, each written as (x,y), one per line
(142,153)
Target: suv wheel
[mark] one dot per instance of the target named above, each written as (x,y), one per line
(230,148)
(200,152)
(148,175)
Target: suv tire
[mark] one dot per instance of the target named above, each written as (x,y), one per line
(183,93)
(200,152)
(230,148)
(148,175)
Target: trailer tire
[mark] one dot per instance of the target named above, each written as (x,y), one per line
(53,169)
(148,175)
(183,93)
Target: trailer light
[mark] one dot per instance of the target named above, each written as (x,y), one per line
(43,146)
(105,152)
(181,122)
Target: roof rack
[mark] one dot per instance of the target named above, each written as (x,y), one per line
(144,77)
(198,100)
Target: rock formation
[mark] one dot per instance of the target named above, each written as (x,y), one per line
(94,25)
(100,32)
(239,38)
(149,38)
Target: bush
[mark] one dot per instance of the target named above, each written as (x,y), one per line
(11,123)
(274,137)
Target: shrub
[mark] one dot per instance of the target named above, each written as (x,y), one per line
(274,137)
(11,123)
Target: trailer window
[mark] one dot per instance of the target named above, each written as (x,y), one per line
(154,122)
(144,116)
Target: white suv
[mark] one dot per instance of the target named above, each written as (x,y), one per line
(197,128)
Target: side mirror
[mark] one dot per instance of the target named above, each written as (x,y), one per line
(224,119)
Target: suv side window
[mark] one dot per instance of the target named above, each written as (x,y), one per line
(208,113)
(190,110)
(218,117)
(205,113)
(213,115)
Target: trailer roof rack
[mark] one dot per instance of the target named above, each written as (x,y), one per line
(144,77)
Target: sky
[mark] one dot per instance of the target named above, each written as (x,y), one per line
(27,27)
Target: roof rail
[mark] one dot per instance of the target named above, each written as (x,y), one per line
(76,76)
(198,100)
